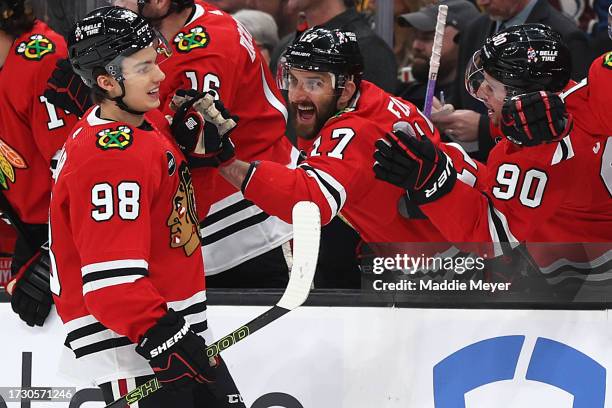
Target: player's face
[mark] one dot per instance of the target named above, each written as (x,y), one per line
(493,94)
(142,80)
(500,10)
(312,101)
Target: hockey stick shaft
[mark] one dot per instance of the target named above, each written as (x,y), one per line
(306,236)
(434,61)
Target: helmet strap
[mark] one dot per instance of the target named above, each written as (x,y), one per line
(122,105)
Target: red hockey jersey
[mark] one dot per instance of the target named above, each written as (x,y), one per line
(124,241)
(557,192)
(31,129)
(214,52)
(338,175)
(589,99)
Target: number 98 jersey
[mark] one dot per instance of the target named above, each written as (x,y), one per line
(124,241)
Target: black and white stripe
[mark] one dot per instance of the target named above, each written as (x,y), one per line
(564,151)
(334,192)
(104,274)
(236,230)
(87,336)
(499,230)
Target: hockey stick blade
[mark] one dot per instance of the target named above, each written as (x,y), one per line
(306,237)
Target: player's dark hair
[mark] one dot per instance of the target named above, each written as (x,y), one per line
(16,17)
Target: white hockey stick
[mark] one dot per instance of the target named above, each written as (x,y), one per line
(306,236)
(434,61)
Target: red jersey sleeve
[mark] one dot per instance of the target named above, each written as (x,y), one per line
(336,163)
(110,208)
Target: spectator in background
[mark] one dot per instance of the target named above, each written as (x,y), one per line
(263,28)
(469,122)
(460,14)
(285,17)
(601,41)
(229,6)
(380,64)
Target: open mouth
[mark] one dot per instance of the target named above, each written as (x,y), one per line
(154,93)
(305,113)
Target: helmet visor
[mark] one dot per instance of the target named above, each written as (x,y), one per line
(312,82)
(610,22)
(142,61)
(480,84)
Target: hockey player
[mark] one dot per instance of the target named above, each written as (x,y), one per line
(127,267)
(32,130)
(546,182)
(214,52)
(342,115)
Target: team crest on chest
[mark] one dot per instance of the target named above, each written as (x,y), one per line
(183,218)
(195,38)
(607,60)
(36,47)
(120,138)
(10,160)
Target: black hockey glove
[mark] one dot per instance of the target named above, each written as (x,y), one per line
(535,118)
(30,289)
(176,354)
(414,165)
(66,90)
(201,127)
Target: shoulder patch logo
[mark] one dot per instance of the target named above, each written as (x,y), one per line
(345,110)
(9,161)
(607,60)
(36,47)
(171,163)
(120,138)
(197,37)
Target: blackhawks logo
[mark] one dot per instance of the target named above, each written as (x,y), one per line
(197,37)
(9,161)
(120,138)
(36,47)
(607,60)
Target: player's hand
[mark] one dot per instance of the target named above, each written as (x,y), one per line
(30,289)
(202,127)
(535,118)
(66,90)
(414,165)
(177,354)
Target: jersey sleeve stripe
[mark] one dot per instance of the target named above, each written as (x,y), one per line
(119,264)
(94,276)
(332,190)
(271,98)
(499,229)
(193,310)
(105,283)
(564,151)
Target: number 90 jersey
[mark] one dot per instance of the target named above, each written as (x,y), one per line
(32,130)
(124,241)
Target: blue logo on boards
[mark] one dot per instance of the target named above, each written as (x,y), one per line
(495,359)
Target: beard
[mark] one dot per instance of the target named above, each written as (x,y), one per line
(420,70)
(321,115)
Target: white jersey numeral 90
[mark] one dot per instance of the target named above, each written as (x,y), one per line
(128,194)
(532,191)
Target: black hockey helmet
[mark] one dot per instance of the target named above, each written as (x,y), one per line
(15,17)
(323,50)
(100,42)
(525,58)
